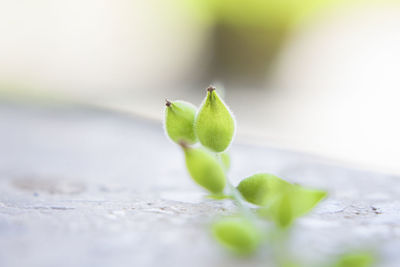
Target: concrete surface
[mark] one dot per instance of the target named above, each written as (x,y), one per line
(86,187)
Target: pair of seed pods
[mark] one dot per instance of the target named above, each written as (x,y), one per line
(213,126)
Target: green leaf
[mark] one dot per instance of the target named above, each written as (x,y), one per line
(281,211)
(205,169)
(262,188)
(214,124)
(294,202)
(237,234)
(304,200)
(179,121)
(357,259)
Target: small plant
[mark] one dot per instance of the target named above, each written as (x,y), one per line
(205,136)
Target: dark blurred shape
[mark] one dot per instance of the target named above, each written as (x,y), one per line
(247,35)
(242,53)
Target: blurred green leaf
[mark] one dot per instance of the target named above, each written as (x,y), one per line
(267,13)
(291,204)
(280,211)
(237,234)
(260,12)
(358,259)
(304,200)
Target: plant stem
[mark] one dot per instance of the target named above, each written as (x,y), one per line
(237,197)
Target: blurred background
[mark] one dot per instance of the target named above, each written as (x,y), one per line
(319,76)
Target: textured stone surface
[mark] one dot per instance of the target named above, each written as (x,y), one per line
(85,187)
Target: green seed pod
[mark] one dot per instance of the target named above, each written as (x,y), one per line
(237,234)
(179,121)
(262,188)
(214,123)
(205,169)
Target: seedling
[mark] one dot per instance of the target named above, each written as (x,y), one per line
(205,136)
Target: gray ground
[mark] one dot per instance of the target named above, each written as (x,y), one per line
(86,187)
